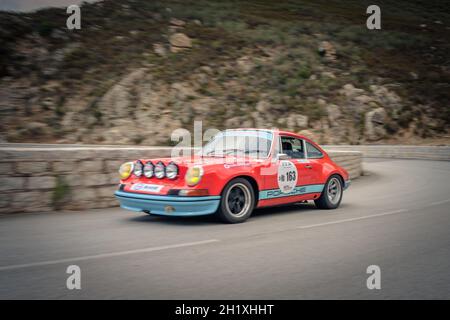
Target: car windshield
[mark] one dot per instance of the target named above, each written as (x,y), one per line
(251,143)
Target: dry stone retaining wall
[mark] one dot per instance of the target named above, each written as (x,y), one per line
(399,152)
(37,178)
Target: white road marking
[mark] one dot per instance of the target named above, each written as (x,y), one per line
(352,219)
(106,255)
(188,244)
(439,202)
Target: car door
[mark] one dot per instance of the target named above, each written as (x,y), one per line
(286,180)
(295,149)
(315,163)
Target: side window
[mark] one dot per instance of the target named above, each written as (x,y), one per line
(293,147)
(313,152)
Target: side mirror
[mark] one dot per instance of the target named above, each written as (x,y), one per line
(282,156)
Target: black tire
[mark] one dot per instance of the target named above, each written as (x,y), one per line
(237,201)
(328,199)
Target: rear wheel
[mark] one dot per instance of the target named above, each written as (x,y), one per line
(237,201)
(331,195)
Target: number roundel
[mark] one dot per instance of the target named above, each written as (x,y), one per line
(287,176)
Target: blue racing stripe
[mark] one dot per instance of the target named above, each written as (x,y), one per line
(276,193)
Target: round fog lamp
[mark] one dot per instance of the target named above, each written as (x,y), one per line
(171,171)
(160,170)
(149,169)
(138,167)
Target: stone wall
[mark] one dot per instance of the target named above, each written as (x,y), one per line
(399,152)
(46,178)
(349,160)
(67,178)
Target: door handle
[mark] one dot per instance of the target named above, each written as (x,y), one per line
(308,166)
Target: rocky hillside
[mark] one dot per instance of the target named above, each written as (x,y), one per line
(139,69)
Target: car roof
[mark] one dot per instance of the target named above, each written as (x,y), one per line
(280,132)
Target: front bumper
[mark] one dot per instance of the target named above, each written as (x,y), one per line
(168,205)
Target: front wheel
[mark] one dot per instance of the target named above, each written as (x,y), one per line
(237,202)
(331,195)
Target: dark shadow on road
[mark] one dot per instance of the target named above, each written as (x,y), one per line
(209,220)
(295,208)
(188,221)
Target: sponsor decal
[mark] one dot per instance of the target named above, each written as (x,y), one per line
(277,193)
(228,166)
(146,187)
(287,176)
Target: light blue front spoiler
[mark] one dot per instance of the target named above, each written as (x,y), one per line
(168,205)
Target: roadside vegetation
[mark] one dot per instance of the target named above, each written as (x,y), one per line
(259,62)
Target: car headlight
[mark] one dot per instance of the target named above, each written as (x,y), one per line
(171,170)
(125,170)
(160,170)
(149,169)
(194,175)
(138,168)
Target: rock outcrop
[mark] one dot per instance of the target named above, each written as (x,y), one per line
(374,124)
(180,42)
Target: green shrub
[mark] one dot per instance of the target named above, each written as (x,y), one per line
(60,193)
(45,28)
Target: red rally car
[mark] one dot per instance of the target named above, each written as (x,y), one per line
(237,171)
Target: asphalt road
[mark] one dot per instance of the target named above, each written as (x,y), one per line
(397,218)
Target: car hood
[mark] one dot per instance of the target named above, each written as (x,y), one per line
(209,164)
(205,161)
